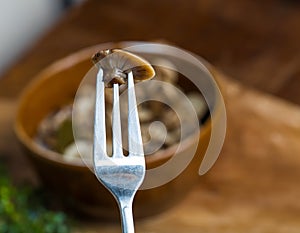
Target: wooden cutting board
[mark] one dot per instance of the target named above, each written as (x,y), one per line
(253,188)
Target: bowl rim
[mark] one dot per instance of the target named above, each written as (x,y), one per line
(67,62)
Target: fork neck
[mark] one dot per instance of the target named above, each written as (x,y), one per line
(126,216)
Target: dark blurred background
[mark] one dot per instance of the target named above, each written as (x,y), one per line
(256,42)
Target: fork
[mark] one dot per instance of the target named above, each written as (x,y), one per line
(121,175)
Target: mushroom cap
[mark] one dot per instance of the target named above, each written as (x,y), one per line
(117,63)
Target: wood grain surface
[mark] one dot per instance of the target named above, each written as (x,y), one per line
(254,186)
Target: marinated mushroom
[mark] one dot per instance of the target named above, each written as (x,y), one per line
(117,63)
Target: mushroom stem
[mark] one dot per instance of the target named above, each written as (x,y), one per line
(114,76)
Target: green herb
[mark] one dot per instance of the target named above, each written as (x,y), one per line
(21,211)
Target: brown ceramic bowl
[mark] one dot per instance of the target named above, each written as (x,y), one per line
(55,87)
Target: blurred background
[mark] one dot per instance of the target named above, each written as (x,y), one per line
(22,23)
(256,42)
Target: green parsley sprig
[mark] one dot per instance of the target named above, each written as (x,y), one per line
(21,211)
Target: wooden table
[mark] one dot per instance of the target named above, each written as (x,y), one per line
(254,187)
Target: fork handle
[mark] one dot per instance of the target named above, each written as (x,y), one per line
(126,216)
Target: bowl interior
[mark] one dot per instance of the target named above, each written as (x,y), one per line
(56,86)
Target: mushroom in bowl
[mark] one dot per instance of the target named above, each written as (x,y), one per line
(44,128)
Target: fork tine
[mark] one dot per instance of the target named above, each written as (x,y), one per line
(116,124)
(135,143)
(99,149)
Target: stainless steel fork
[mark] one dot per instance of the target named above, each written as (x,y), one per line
(121,175)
